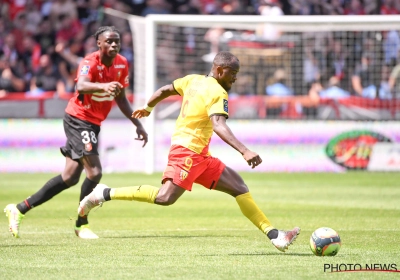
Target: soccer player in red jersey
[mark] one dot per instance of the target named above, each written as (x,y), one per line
(101,78)
(204,111)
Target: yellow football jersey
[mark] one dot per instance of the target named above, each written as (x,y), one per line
(203,97)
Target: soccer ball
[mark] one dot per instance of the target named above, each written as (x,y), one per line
(325,242)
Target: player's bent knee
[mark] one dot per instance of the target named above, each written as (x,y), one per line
(240,189)
(165,200)
(71,181)
(95,175)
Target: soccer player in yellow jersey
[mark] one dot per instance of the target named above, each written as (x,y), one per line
(204,111)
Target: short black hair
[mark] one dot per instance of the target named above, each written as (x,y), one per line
(103,29)
(225,59)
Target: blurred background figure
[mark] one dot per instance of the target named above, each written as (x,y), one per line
(159,7)
(389,7)
(9,80)
(330,89)
(49,76)
(268,9)
(278,85)
(394,79)
(213,36)
(244,86)
(35,88)
(366,78)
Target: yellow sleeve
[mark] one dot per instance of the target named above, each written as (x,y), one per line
(180,84)
(218,104)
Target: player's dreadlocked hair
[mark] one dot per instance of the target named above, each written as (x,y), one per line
(103,29)
(225,59)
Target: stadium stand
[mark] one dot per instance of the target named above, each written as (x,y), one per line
(40,38)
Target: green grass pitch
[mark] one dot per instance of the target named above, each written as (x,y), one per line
(204,235)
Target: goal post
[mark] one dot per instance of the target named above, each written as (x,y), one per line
(167,47)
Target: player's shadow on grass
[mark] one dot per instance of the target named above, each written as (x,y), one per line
(28,245)
(165,236)
(271,254)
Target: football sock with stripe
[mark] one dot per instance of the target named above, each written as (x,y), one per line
(87,187)
(53,187)
(251,211)
(144,193)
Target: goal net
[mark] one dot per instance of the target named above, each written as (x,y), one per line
(291,67)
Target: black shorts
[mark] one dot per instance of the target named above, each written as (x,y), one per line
(82,138)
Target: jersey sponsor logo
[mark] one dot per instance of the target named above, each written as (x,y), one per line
(85,70)
(102,96)
(88,147)
(226,105)
(119,66)
(183,175)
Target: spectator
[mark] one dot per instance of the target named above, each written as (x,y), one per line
(9,79)
(334,8)
(136,5)
(30,54)
(336,60)
(127,51)
(234,7)
(33,17)
(3,31)
(270,8)
(49,76)
(391,46)
(300,7)
(70,28)
(213,35)
(192,7)
(371,7)
(243,87)
(367,80)
(384,87)
(280,99)
(159,7)
(62,7)
(364,76)
(46,37)
(94,12)
(332,90)
(388,7)
(394,79)
(311,70)
(35,88)
(9,50)
(354,7)
(278,87)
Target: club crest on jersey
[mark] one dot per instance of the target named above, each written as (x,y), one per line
(85,70)
(226,105)
(183,175)
(88,147)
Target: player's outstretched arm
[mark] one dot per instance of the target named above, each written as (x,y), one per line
(225,133)
(85,86)
(157,96)
(125,108)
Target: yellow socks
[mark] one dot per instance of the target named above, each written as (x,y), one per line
(253,213)
(145,193)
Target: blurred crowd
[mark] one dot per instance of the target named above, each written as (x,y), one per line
(43,41)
